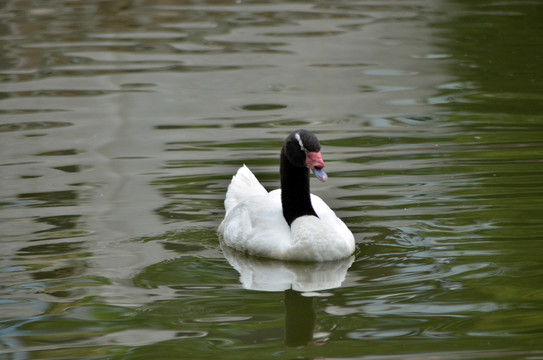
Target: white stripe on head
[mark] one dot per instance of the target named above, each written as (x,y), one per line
(297,136)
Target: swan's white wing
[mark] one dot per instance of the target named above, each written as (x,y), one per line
(256,225)
(244,185)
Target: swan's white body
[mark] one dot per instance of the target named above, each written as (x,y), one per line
(254,223)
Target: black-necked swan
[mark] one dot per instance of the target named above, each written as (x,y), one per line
(287,223)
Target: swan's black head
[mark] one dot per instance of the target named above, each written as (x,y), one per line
(302,149)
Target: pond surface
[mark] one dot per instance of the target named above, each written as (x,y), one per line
(122,122)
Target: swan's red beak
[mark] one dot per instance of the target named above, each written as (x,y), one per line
(314,161)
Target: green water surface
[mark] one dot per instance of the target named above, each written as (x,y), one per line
(122,122)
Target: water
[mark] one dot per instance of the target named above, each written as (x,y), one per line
(121,124)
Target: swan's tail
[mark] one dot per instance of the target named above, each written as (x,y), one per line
(244,185)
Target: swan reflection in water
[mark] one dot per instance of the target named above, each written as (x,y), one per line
(296,280)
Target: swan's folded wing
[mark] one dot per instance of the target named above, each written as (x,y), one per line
(256,225)
(235,225)
(244,185)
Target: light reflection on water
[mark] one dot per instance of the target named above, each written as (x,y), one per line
(122,123)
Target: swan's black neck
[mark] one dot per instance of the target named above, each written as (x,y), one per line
(295,195)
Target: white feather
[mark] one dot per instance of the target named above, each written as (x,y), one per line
(254,223)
